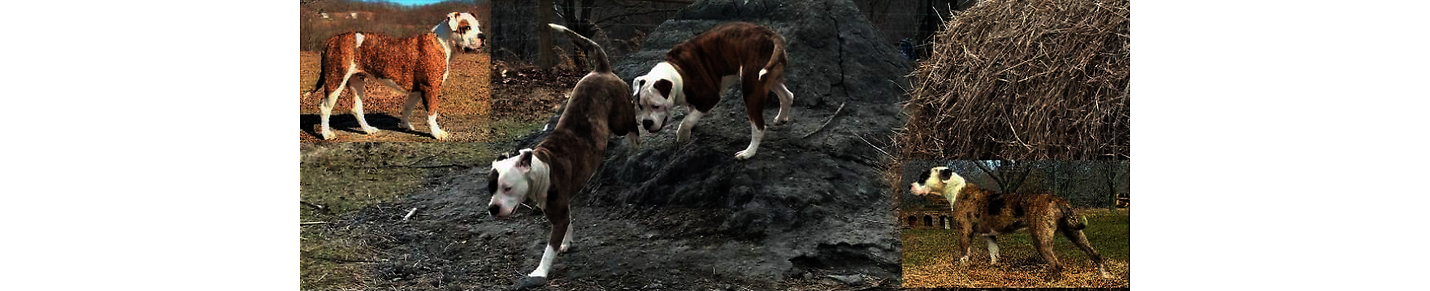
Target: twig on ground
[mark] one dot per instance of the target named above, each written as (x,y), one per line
(872,145)
(312,222)
(409,214)
(826,122)
(314,206)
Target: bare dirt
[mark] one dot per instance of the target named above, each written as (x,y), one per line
(465,107)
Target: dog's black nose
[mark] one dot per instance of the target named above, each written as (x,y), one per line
(649,124)
(494,210)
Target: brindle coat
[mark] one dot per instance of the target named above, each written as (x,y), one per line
(988,213)
(704,60)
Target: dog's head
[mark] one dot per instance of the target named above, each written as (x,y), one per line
(938,181)
(464,31)
(655,95)
(509,182)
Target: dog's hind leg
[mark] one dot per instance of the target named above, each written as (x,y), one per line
(1080,240)
(566,243)
(786,102)
(412,99)
(357,86)
(1043,233)
(992,248)
(429,98)
(755,108)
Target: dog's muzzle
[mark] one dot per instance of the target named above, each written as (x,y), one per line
(494,210)
(649,126)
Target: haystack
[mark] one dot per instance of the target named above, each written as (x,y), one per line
(1031,79)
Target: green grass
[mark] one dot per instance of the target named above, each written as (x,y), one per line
(346,177)
(1109,232)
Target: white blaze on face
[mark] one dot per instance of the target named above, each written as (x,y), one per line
(464,30)
(510,187)
(651,105)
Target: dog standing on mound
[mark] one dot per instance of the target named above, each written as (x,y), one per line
(696,71)
(553,172)
(984,212)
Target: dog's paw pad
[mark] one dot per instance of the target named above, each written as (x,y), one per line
(529,282)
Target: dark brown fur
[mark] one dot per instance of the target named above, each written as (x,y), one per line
(702,62)
(599,107)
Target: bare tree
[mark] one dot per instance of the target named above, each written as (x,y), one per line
(546,56)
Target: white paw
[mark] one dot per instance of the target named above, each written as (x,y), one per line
(439,134)
(328,134)
(369,130)
(781,120)
(745,154)
(963,261)
(408,126)
(564,247)
(682,137)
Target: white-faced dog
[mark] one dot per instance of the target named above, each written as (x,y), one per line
(552,173)
(417,65)
(696,71)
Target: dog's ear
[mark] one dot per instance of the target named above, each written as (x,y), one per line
(945,174)
(636,86)
(452,20)
(664,87)
(492,177)
(524,163)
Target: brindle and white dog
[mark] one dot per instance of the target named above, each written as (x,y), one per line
(987,213)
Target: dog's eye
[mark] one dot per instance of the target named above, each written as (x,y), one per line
(655,107)
(507,189)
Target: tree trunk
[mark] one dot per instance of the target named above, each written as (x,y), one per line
(546,56)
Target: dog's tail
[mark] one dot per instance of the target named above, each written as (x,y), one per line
(603,65)
(775,56)
(1072,219)
(318,86)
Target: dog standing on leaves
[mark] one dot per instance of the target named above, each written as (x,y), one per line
(552,173)
(416,65)
(697,70)
(983,212)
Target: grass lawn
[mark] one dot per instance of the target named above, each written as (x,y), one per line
(929,258)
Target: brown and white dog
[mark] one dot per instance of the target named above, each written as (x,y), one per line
(417,65)
(552,173)
(984,212)
(696,71)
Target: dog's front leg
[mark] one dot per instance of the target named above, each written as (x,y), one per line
(992,248)
(560,223)
(965,240)
(682,134)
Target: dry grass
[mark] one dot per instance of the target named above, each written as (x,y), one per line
(1024,80)
(466,105)
(930,262)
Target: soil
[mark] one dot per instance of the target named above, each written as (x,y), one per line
(464,111)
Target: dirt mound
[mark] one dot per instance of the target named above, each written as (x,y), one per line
(1025,80)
